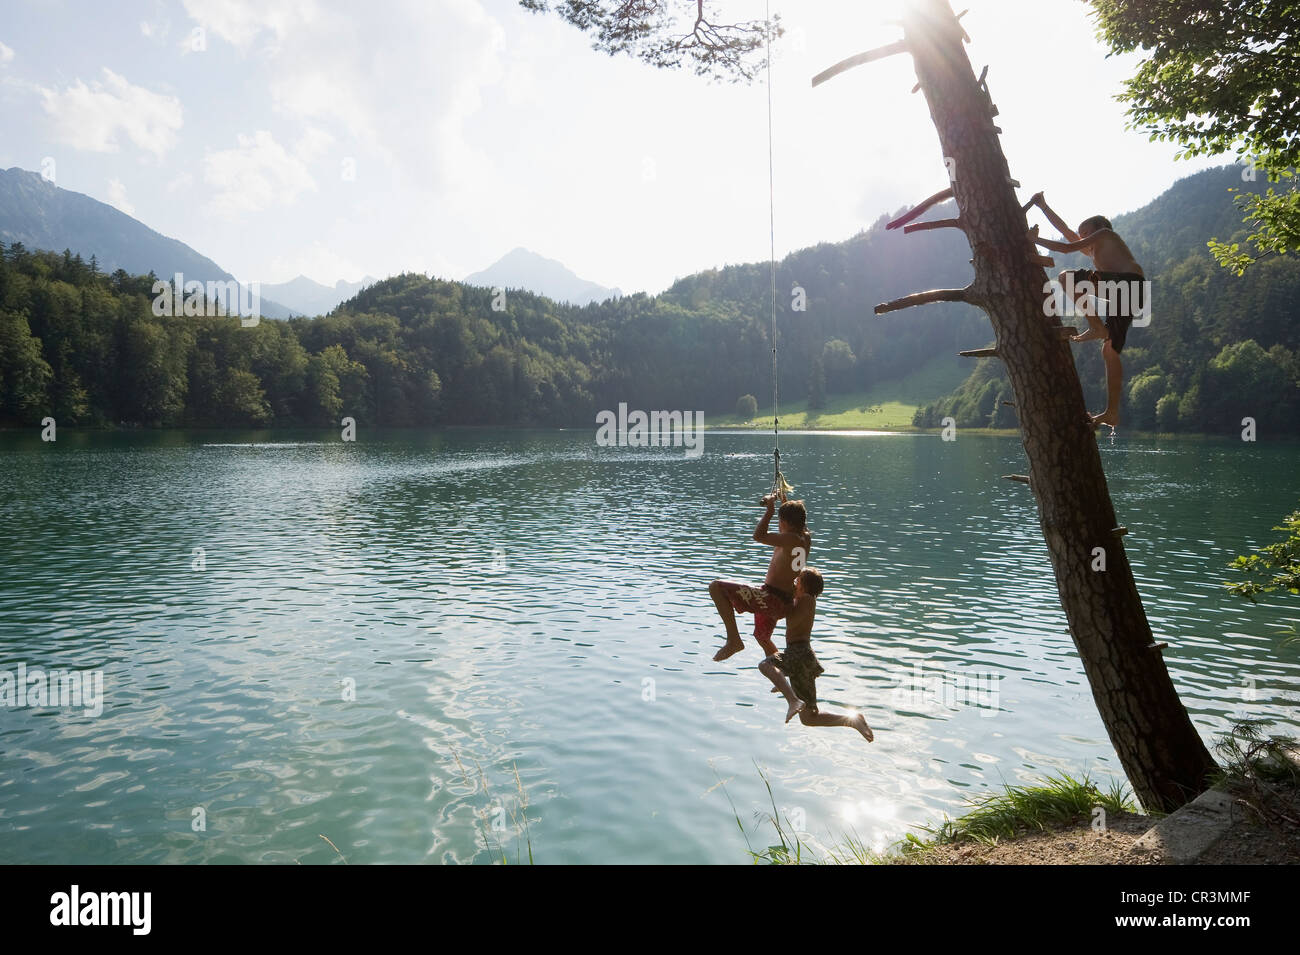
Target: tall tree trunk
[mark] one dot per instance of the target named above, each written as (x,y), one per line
(1160,749)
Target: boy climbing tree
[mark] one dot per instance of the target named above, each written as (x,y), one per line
(1116,279)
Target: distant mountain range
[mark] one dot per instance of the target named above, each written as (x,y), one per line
(306,297)
(40,215)
(411,350)
(522,269)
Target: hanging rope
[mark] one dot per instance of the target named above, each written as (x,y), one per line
(779,485)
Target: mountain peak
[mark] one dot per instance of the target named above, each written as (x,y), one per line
(305,296)
(525,269)
(43,215)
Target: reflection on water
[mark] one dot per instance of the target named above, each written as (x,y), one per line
(398,643)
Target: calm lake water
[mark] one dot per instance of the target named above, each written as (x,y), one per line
(396,644)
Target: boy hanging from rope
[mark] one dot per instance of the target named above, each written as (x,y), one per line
(795,669)
(775,599)
(1116,279)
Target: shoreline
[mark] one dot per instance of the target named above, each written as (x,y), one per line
(718,429)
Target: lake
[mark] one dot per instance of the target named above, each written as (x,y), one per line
(452,646)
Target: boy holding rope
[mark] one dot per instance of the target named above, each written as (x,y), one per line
(775,599)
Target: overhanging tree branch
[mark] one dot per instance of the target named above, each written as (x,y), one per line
(664,34)
(879,53)
(920,208)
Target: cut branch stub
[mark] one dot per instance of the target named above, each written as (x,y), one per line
(920,208)
(1020,478)
(936,224)
(926,298)
(979,353)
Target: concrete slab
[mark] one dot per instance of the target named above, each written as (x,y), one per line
(1183,836)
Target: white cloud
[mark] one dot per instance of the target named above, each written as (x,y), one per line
(240,22)
(357,78)
(182,181)
(117,197)
(258,173)
(312,144)
(92,117)
(6,53)
(146,28)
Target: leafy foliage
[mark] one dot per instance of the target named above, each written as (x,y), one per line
(1220,77)
(1272,568)
(668,33)
(1276,217)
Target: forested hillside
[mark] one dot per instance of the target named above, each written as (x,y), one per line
(413,350)
(88,349)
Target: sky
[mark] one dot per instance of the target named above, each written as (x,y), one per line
(338,140)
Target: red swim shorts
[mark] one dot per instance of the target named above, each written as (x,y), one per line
(766,603)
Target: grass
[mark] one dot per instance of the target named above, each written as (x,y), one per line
(1057,800)
(1263,772)
(790,849)
(1251,755)
(492,817)
(887,407)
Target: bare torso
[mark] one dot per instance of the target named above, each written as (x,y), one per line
(798,625)
(1111,254)
(781,572)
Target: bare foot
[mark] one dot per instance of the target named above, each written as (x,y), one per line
(1108,418)
(795,709)
(732,648)
(860,724)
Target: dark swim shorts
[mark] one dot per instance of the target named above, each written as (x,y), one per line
(1118,316)
(798,662)
(766,603)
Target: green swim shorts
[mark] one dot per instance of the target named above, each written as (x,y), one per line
(798,662)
